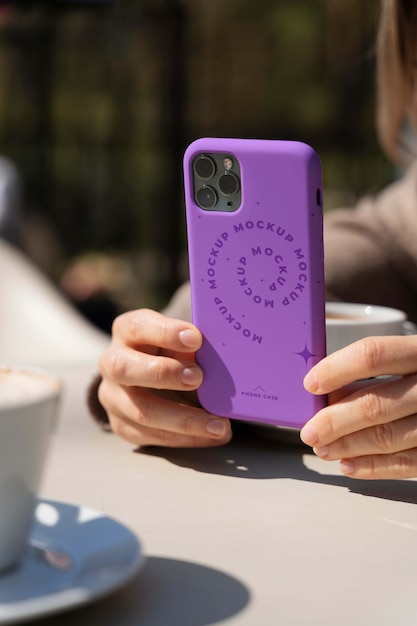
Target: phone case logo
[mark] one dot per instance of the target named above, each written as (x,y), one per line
(268,276)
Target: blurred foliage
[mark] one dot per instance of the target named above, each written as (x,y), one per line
(98,104)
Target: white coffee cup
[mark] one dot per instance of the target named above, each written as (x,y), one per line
(347,322)
(28,409)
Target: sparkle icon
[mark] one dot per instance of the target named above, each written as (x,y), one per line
(305,354)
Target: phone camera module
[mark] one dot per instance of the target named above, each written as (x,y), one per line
(206,197)
(228,184)
(216,181)
(204,167)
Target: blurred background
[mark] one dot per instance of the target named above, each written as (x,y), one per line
(97,104)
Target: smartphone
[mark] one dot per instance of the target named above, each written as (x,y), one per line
(255,241)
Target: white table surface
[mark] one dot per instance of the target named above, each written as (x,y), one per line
(256,533)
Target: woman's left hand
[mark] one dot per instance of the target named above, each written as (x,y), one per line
(370,423)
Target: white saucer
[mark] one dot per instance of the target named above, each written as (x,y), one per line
(75,555)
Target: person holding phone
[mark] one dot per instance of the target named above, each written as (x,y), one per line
(146,391)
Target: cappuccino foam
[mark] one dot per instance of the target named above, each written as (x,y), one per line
(23,387)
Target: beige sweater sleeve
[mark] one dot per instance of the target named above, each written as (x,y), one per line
(180,304)
(371,251)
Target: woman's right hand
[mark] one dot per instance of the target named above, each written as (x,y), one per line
(149,377)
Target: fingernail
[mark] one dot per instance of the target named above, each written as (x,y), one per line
(347,466)
(189,338)
(321,451)
(311,382)
(191,375)
(309,435)
(216,427)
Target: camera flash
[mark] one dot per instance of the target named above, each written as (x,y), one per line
(227,163)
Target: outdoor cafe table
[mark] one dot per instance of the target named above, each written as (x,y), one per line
(257,533)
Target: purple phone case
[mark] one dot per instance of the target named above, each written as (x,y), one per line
(257,283)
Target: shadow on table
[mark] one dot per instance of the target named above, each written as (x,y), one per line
(167,591)
(257,453)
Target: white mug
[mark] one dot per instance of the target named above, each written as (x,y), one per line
(347,322)
(28,409)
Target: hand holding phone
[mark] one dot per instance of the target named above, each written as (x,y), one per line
(254,222)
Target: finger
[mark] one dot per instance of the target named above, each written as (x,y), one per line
(393,466)
(367,358)
(145,419)
(381,439)
(140,436)
(376,404)
(358,385)
(129,368)
(146,327)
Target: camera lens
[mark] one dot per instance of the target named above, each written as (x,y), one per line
(204,167)
(206,197)
(228,184)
